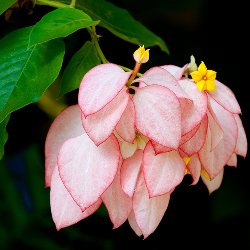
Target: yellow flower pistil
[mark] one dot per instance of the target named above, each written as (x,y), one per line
(141,55)
(204,78)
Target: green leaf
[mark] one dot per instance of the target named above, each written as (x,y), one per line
(3,135)
(120,23)
(5,4)
(26,73)
(83,60)
(59,23)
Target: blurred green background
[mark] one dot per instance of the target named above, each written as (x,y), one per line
(212,31)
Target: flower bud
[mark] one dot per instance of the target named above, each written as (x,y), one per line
(192,66)
(141,55)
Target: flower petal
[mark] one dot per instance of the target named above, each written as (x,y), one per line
(201,85)
(215,183)
(129,172)
(126,126)
(148,211)
(194,145)
(87,170)
(202,69)
(100,125)
(189,134)
(215,128)
(127,149)
(99,86)
(215,160)
(162,172)
(225,97)
(118,204)
(176,71)
(241,146)
(194,167)
(232,162)
(132,222)
(64,209)
(67,125)
(210,85)
(160,76)
(211,75)
(196,76)
(158,148)
(194,113)
(158,115)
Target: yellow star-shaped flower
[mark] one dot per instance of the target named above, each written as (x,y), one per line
(204,78)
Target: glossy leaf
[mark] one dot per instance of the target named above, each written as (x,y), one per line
(59,23)
(3,135)
(83,60)
(26,73)
(120,23)
(5,4)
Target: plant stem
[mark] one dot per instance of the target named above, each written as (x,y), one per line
(129,70)
(73,3)
(134,74)
(54,4)
(51,107)
(94,39)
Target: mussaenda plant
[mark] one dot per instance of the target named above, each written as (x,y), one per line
(131,140)
(133,136)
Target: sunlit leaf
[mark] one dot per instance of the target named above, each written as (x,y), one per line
(26,73)
(59,23)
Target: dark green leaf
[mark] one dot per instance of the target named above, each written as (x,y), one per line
(26,73)
(83,60)
(5,4)
(59,23)
(120,23)
(3,135)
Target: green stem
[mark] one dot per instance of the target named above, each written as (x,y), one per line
(94,39)
(73,3)
(51,107)
(54,4)
(129,70)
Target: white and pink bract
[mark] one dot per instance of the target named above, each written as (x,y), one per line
(129,145)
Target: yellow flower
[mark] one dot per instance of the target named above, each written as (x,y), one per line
(204,78)
(141,55)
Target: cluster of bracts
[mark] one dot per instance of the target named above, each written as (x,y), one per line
(130,141)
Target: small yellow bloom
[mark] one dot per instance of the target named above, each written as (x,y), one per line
(204,78)
(141,55)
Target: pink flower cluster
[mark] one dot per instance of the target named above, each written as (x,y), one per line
(129,145)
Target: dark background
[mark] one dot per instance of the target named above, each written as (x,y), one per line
(214,32)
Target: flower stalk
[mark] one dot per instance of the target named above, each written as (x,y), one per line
(94,39)
(55,4)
